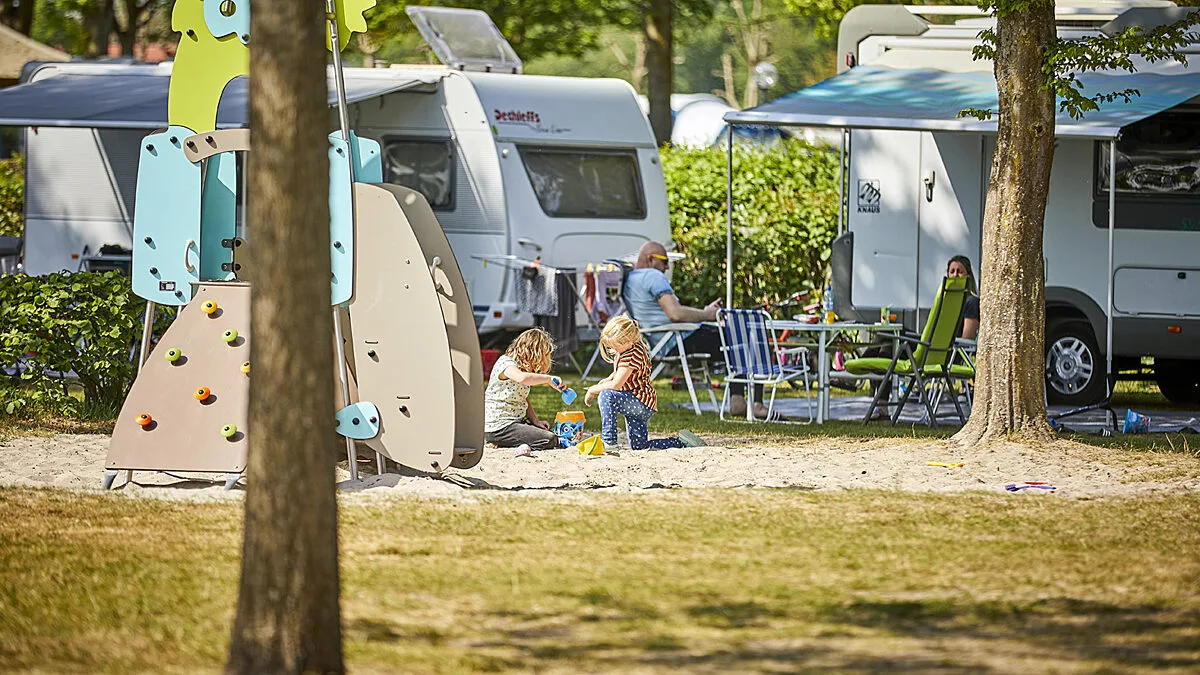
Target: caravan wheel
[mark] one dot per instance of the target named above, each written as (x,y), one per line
(1178,380)
(1074,367)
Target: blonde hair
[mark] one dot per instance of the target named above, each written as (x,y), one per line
(619,329)
(532,350)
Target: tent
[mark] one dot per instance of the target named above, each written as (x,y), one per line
(868,97)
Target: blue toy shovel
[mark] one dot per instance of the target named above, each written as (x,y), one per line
(568,397)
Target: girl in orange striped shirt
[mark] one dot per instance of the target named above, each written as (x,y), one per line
(629,391)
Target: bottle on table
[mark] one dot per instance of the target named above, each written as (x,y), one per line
(827,304)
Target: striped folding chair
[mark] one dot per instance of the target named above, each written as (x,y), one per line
(753,357)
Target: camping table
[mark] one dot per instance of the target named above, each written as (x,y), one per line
(825,333)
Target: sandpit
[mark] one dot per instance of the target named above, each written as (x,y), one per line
(75,462)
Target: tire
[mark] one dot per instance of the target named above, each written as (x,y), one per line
(1074,365)
(1178,380)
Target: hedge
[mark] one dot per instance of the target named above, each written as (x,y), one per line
(785,217)
(85,323)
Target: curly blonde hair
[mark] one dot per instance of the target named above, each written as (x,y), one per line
(619,330)
(532,350)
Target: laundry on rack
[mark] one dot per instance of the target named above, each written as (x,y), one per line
(537,291)
(561,324)
(608,293)
(589,289)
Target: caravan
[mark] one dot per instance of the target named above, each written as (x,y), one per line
(557,168)
(917,179)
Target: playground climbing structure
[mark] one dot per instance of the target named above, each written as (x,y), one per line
(409,370)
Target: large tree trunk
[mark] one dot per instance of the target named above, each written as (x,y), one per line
(100,21)
(1010,377)
(288,619)
(659,68)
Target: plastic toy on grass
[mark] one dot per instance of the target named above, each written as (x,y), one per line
(1135,423)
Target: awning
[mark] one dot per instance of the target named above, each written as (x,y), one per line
(868,97)
(122,99)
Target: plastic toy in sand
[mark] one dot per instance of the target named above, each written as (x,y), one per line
(947,465)
(1030,485)
(592,445)
(568,426)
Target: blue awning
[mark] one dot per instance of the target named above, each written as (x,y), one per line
(127,99)
(868,97)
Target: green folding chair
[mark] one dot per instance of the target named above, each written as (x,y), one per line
(925,359)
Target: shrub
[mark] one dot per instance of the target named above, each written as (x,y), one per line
(86,323)
(785,217)
(12,196)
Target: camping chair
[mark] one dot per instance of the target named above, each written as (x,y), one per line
(752,357)
(964,355)
(926,359)
(666,347)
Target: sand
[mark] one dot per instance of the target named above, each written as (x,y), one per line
(75,462)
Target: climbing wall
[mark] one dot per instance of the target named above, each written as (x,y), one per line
(187,409)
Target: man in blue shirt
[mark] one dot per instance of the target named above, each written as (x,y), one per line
(652,302)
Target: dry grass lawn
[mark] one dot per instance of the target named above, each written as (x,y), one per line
(683,581)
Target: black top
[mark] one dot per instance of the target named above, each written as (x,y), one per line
(970,311)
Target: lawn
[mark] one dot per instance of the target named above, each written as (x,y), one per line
(681,581)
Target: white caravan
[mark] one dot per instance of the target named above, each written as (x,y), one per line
(565,169)
(917,180)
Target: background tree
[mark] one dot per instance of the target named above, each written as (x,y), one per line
(1033,66)
(18,15)
(288,619)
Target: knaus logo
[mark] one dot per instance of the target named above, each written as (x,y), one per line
(520,116)
(868,196)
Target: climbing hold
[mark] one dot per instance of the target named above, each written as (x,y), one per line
(173,355)
(209,307)
(229,335)
(246,367)
(229,430)
(144,420)
(202,394)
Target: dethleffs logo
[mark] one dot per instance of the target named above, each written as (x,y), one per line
(521,116)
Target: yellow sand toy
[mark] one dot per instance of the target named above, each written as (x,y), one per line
(593,445)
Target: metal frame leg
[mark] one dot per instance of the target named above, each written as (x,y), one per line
(110,475)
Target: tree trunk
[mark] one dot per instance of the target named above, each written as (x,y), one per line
(288,619)
(658,68)
(1010,369)
(25,17)
(100,21)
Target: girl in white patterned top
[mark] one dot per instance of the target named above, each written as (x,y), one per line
(510,420)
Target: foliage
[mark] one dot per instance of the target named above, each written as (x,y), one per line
(1071,56)
(85,323)
(785,216)
(12,196)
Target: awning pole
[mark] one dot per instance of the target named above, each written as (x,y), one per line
(1112,219)
(842,186)
(729,215)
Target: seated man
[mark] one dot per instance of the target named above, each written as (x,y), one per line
(653,303)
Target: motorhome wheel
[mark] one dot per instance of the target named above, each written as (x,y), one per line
(1178,380)
(1074,366)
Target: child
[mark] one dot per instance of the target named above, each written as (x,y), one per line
(509,418)
(628,391)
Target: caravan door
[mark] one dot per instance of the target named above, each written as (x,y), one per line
(950,207)
(883,216)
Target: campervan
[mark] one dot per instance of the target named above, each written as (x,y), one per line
(917,180)
(516,167)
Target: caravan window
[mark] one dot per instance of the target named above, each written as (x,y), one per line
(577,183)
(1157,156)
(1158,175)
(424,165)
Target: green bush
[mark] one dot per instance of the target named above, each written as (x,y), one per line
(12,196)
(785,217)
(88,323)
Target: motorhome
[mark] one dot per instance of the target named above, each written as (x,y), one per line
(916,180)
(560,169)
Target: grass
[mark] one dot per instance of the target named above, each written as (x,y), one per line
(670,418)
(698,581)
